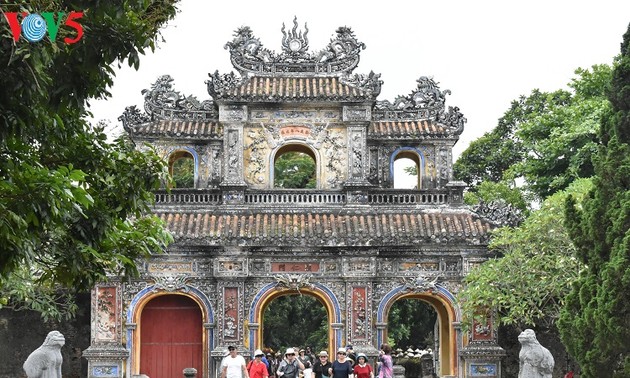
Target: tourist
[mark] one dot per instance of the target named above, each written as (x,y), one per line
(342,367)
(233,366)
(350,353)
(320,367)
(386,364)
(304,358)
(290,367)
(362,369)
(256,367)
(273,365)
(310,353)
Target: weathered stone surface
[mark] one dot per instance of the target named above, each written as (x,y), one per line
(535,360)
(45,361)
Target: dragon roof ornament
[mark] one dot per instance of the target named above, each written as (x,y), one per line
(163,102)
(427,101)
(249,57)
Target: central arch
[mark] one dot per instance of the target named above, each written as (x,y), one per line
(294,145)
(447,313)
(273,291)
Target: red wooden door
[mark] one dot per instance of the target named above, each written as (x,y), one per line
(171,332)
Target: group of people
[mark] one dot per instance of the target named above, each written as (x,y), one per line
(304,364)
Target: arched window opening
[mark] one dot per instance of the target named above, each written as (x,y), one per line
(181,166)
(295,321)
(407,172)
(413,334)
(295,167)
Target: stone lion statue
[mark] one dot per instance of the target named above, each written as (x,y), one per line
(535,360)
(45,361)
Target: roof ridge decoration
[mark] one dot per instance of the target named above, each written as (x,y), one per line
(163,102)
(340,56)
(427,101)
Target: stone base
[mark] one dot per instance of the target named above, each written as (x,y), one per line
(482,360)
(106,361)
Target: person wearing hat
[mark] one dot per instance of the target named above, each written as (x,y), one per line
(256,367)
(362,369)
(305,359)
(342,367)
(290,367)
(233,366)
(320,367)
(351,356)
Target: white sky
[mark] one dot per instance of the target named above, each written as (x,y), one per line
(486,52)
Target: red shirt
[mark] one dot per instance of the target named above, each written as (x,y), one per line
(362,372)
(257,369)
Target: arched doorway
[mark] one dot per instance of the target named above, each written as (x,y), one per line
(413,332)
(441,302)
(321,293)
(171,336)
(295,320)
(294,166)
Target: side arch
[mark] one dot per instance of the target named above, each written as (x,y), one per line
(448,313)
(408,151)
(193,153)
(134,313)
(317,290)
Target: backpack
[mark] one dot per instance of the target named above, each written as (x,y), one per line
(290,370)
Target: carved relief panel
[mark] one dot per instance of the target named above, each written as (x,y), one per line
(230,316)
(359,324)
(358,164)
(106,313)
(262,140)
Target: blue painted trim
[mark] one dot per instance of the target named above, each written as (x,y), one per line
(392,158)
(397,291)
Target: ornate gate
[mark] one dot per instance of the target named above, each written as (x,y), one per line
(354,242)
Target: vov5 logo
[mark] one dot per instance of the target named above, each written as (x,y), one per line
(34,26)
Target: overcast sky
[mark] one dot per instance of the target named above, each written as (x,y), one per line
(486,52)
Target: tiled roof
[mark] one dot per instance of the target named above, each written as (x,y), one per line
(180,129)
(401,129)
(272,89)
(327,229)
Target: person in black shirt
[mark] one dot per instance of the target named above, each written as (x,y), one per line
(320,367)
(341,367)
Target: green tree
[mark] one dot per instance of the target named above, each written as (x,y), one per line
(72,205)
(535,268)
(594,322)
(184,173)
(548,139)
(410,324)
(295,320)
(295,170)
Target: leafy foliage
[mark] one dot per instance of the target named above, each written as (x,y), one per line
(489,191)
(411,170)
(411,323)
(541,262)
(594,322)
(546,138)
(72,204)
(295,170)
(295,320)
(184,173)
